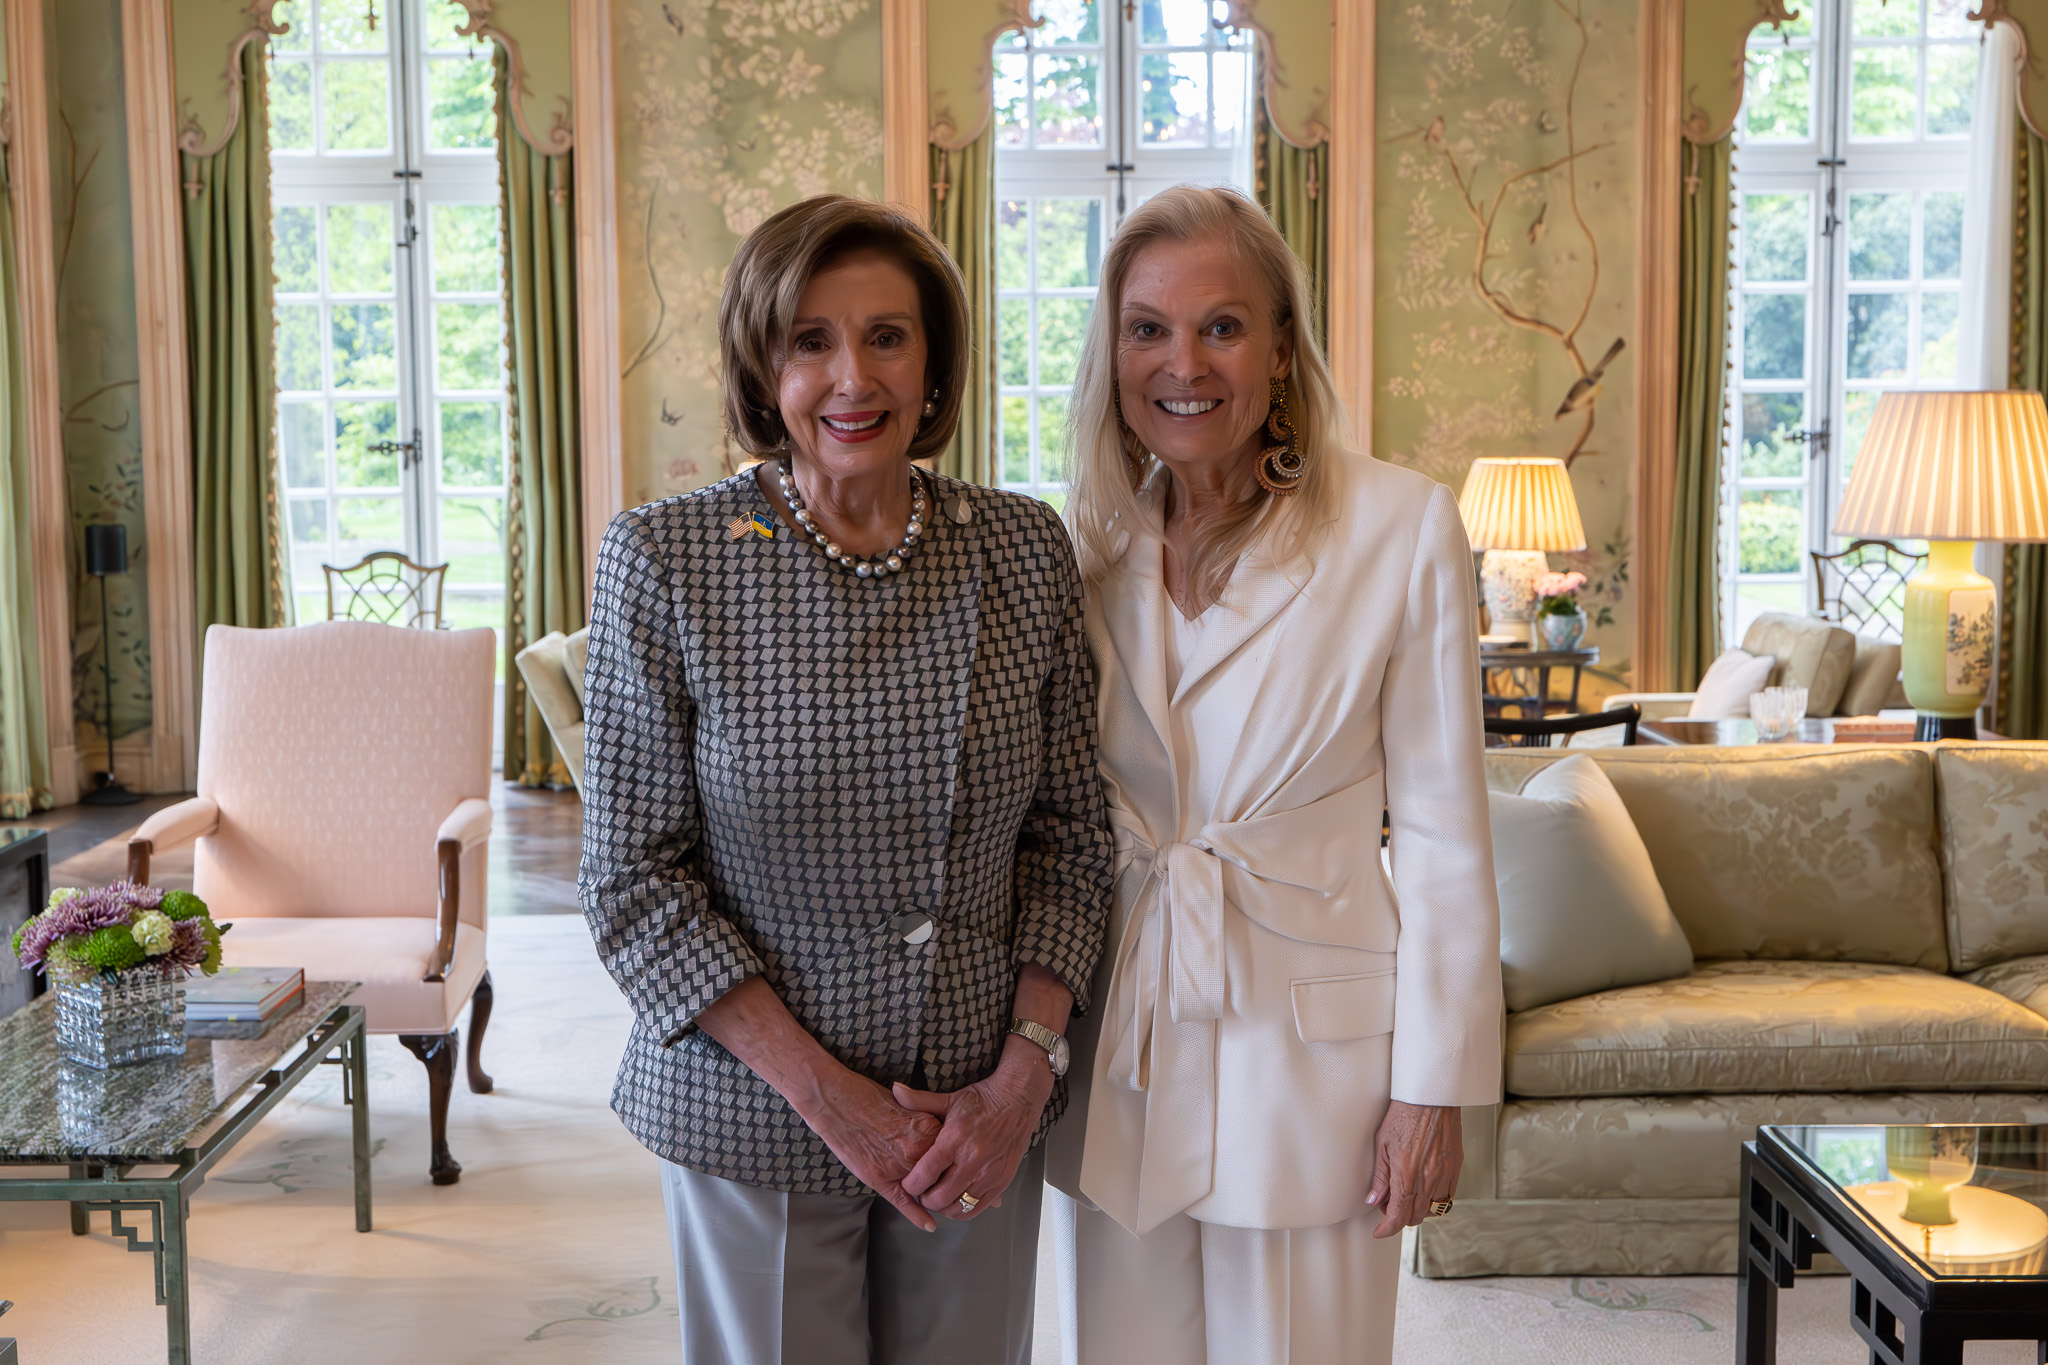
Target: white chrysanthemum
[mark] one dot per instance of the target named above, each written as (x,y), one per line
(152,929)
(62,894)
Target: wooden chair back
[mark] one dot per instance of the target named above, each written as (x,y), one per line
(388,588)
(1863,588)
(1537,734)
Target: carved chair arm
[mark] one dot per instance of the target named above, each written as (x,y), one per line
(466,827)
(172,827)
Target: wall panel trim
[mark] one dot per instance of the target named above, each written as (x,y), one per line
(28,151)
(906,109)
(1351,210)
(1661,39)
(599,357)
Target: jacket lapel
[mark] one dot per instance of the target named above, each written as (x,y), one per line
(1257,593)
(1134,606)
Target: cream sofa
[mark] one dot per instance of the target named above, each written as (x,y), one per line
(1843,674)
(1869,926)
(552,668)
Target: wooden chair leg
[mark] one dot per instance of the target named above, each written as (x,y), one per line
(479,1019)
(437,1052)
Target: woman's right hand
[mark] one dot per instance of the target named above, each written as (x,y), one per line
(878,1139)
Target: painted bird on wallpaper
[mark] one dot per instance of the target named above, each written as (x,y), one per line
(1581,395)
(1536,224)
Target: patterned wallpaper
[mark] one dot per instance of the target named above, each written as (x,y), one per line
(727,111)
(96,342)
(1506,222)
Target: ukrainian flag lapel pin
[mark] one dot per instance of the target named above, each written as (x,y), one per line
(760,524)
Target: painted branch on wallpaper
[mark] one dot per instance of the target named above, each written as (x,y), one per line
(1466,162)
(262,25)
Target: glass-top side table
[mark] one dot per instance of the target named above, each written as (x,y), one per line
(1943,1230)
(24,887)
(181,1113)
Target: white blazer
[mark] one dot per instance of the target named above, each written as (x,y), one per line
(1268,990)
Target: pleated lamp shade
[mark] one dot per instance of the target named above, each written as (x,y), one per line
(1523,503)
(1951,466)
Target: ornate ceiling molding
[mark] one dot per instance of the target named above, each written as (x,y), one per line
(1710,113)
(261,26)
(947,131)
(559,139)
(1298,117)
(1992,13)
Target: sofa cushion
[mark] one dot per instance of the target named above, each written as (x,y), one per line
(1690,1146)
(1873,677)
(1994,846)
(1729,683)
(2023,979)
(1580,908)
(1814,654)
(1739,1027)
(1823,852)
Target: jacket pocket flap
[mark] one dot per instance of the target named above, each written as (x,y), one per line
(1331,1009)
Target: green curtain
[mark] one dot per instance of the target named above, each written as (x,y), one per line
(544,513)
(1291,184)
(1693,582)
(2022,711)
(963,217)
(24,739)
(238,552)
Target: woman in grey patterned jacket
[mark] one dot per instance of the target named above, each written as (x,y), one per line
(844,845)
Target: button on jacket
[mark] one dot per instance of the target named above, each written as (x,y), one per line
(881,796)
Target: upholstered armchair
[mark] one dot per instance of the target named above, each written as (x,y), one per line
(553,669)
(342,821)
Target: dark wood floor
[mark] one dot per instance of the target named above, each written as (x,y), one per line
(536,841)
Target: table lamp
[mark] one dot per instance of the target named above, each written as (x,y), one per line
(1950,468)
(1516,510)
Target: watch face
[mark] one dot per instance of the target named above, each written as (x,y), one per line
(1060,1057)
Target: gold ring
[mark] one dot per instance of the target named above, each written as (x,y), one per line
(1439,1207)
(967,1203)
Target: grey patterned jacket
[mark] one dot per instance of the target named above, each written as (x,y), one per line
(782,761)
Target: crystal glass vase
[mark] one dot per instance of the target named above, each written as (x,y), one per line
(122,1019)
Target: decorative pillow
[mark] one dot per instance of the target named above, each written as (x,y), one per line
(1871,679)
(1724,693)
(1580,907)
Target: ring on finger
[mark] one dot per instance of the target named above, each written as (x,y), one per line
(1439,1207)
(968,1203)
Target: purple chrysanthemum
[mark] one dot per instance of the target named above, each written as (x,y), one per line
(83,914)
(188,950)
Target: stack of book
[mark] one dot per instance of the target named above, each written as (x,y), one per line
(240,1002)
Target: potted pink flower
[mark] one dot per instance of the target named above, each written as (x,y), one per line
(1560,622)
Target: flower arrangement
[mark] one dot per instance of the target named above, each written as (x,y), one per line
(1557,594)
(119,928)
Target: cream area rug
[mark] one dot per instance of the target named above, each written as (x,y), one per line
(553,1247)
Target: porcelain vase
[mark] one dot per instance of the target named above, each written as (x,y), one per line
(1561,630)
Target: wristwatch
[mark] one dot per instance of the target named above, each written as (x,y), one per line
(1054,1045)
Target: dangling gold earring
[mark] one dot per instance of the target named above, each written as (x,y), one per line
(1281,465)
(1135,453)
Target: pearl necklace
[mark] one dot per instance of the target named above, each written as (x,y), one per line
(881,566)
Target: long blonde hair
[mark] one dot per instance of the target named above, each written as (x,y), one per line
(1104,509)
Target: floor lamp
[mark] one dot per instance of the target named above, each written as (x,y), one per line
(1950,468)
(106,552)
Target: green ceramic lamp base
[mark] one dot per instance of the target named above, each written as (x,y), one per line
(1950,619)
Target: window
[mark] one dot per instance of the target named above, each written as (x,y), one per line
(390,328)
(1095,110)
(1850,170)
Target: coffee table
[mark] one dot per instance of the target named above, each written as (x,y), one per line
(1514,660)
(1679,730)
(184,1113)
(1917,1293)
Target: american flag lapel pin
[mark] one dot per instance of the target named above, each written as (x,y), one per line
(760,524)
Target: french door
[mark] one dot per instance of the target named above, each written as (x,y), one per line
(390,326)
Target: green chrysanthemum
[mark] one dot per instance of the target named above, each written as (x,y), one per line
(67,964)
(16,943)
(182,905)
(113,949)
(210,964)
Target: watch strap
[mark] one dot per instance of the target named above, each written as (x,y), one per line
(1037,1033)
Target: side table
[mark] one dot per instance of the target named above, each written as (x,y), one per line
(24,887)
(1533,704)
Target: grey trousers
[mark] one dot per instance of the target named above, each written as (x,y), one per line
(765,1278)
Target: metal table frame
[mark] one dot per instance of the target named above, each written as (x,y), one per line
(167,1199)
(1903,1314)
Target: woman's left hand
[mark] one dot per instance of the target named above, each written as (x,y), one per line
(987,1130)
(1415,1162)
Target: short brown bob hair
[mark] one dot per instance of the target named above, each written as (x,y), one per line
(766,282)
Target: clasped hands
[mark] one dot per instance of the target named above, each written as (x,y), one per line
(921,1150)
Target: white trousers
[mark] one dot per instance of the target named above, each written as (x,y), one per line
(1191,1293)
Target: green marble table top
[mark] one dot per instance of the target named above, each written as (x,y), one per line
(53,1111)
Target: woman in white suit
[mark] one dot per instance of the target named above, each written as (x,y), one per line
(1286,639)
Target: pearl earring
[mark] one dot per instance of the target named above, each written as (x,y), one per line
(931,405)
